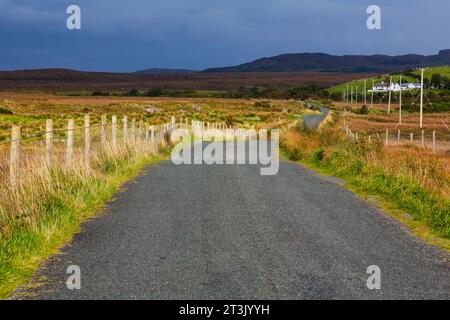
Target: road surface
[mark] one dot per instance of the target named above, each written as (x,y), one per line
(314,120)
(226,232)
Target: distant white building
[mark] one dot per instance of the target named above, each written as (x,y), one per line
(395,87)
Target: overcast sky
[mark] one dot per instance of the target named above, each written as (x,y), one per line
(137,34)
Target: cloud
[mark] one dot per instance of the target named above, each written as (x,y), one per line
(128,35)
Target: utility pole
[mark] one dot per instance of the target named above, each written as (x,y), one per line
(371,99)
(400,103)
(421,100)
(365,93)
(346,95)
(390,95)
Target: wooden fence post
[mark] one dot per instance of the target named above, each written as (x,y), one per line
(398,137)
(114,130)
(69,153)
(411,137)
(87,141)
(103,132)
(140,130)
(125,129)
(48,142)
(133,130)
(146,133)
(14,165)
(153,134)
(387,137)
(423,138)
(434,140)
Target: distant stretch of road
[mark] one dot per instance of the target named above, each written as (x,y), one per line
(226,232)
(314,120)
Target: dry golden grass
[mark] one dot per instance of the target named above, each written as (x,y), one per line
(31,110)
(431,170)
(411,178)
(379,121)
(21,205)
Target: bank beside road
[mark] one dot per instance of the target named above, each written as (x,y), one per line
(315,120)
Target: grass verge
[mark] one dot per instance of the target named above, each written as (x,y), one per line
(30,240)
(412,184)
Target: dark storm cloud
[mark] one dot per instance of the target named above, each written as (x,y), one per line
(135,34)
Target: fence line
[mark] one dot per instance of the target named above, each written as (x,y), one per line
(132,134)
(135,137)
(397,138)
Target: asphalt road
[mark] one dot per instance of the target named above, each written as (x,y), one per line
(226,232)
(314,120)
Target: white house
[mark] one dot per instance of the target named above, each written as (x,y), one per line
(412,86)
(385,87)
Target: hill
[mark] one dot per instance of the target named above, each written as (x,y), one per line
(410,76)
(321,62)
(164,71)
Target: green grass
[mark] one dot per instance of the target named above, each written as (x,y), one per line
(348,160)
(24,250)
(443,71)
(405,193)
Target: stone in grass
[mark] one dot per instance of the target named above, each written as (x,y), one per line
(407,216)
(152,110)
(373,199)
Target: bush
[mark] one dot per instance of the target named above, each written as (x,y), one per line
(133,93)
(319,154)
(100,93)
(155,92)
(5,111)
(295,154)
(263,104)
(364,110)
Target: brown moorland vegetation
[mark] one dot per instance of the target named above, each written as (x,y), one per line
(70,80)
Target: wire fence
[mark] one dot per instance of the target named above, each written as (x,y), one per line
(73,145)
(423,139)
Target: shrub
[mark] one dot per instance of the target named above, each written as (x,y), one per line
(318,154)
(99,93)
(364,110)
(263,104)
(133,93)
(5,111)
(155,92)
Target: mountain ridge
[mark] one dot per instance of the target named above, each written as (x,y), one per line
(323,62)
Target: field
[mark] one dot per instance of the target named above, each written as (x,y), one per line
(42,211)
(443,71)
(31,109)
(377,121)
(86,82)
